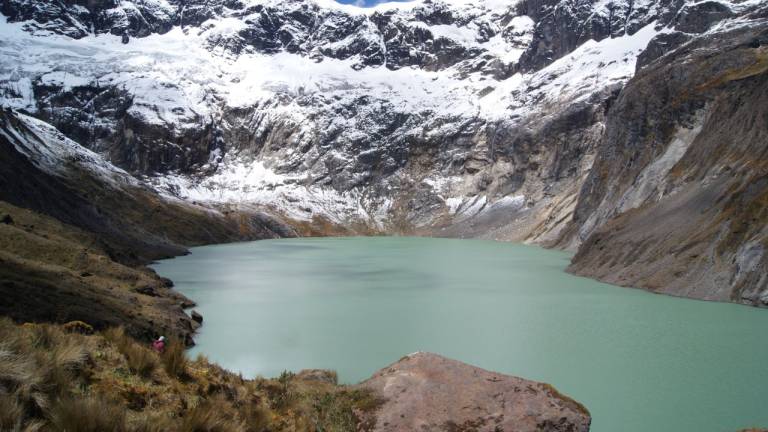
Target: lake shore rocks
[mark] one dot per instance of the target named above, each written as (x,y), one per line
(318,375)
(196,317)
(428,392)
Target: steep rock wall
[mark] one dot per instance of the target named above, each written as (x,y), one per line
(676,199)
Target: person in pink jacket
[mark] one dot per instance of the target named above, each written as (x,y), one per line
(159,344)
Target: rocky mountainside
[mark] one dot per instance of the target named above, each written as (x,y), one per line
(677,199)
(75,231)
(43,170)
(567,123)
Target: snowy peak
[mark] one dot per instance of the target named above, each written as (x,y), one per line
(52,152)
(426,34)
(497,37)
(452,101)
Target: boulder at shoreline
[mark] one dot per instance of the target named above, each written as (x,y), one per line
(428,392)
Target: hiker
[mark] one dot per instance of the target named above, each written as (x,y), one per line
(125,38)
(159,345)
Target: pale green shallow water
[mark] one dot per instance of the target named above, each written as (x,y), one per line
(640,362)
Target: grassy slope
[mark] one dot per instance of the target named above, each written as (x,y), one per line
(50,271)
(51,379)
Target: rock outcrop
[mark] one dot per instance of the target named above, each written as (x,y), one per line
(428,392)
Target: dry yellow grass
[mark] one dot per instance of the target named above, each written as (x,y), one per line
(52,380)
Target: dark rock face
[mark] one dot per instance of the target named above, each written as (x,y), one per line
(78,18)
(676,199)
(699,17)
(561,26)
(295,26)
(98,117)
(661,45)
(196,317)
(428,392)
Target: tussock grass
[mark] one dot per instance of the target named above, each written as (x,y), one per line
(152,423)
(38,364)
(118,337)
(175,360)
(257,417)
(141,360)
(335,411)
(88,414)
(212,415)
(52,379)
(11,413)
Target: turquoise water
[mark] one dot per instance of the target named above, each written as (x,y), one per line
(640,362)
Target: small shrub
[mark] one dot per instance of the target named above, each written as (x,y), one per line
(333,413)
(87,414)
(78,327)
(364,400)
(336,411)
(174,359)
(279,392)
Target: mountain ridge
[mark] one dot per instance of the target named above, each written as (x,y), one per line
(436,118)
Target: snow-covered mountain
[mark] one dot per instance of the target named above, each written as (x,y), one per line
(449,117)
(285,102)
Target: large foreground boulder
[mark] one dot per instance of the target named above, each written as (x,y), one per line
(428,392)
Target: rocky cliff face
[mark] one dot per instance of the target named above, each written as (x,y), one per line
(676,199)
(506,120)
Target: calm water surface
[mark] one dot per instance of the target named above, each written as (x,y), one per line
(640,362)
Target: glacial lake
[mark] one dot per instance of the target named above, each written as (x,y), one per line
(640,362)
